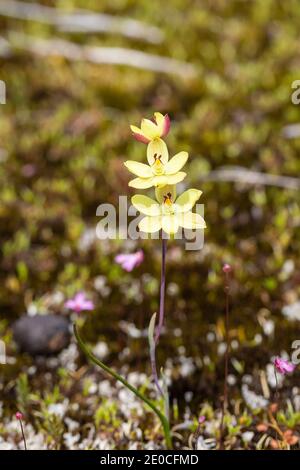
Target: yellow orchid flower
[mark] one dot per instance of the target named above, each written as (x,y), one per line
(160,171)
(168,213)
(158,127)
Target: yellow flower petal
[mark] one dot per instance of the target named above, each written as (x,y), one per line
(136,130)
(139,135)
(160,180)
(176,163)
(160,121)
(150,224)
(186,201)
(146,205)
(141,183)
(139,169)
(174,179)
(191,220)
(150,129)
(170,224)
(157,147)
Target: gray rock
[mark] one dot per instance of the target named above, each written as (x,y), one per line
(41,334)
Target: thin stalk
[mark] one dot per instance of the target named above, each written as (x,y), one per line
(161,315)
(152,348)
(276,389)
(164,421)
(162,290)
(23,434)
(276,401)
(196,436)
(154,369)
(225,393)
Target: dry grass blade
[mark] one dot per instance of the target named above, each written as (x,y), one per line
(102,55)
(243,175)
(5,49)
(81,20)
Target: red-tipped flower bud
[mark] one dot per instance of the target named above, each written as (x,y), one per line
(227,268)
(19,415)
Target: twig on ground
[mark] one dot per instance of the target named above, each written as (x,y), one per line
(238,174)
(80,20)
(102,55)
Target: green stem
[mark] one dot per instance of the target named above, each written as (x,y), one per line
(164,421)
(162,289)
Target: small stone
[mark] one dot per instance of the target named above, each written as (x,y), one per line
(42,334)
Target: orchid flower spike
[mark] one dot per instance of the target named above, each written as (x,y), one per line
(168,213)
(152,129)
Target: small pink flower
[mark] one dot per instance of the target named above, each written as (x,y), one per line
(227,268)
(19,415)
(28,170)
(79,303)
(130,261)
(201,419)
(283,367)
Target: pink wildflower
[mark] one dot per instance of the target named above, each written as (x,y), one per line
(79,303)
(227,268)
(283,367)
(130,261)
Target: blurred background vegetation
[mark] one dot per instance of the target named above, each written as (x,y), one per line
(64,134)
